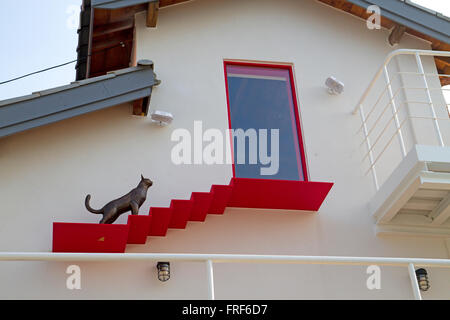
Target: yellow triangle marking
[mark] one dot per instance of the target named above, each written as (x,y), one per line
(101,239)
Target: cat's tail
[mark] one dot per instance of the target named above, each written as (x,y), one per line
(86,203)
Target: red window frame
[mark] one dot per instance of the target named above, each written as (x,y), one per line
(285,66)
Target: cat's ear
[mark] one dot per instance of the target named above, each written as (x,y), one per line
(142,177)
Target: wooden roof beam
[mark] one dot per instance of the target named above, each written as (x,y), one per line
(152,14)
(396,34)
(113,27)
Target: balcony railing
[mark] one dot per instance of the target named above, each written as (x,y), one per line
(397,89)
(210,259)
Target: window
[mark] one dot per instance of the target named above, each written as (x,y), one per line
(264,122)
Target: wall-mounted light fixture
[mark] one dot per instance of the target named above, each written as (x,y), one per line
(422,279)
(163,271)
(161,117)
(334,86)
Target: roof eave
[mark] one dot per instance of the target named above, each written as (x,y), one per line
(79,97)
(117,4)
(425,21)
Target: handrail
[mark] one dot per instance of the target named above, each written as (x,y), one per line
(388,59)
(221,258)
(392,96)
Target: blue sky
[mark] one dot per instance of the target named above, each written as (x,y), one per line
(41,34)
(442,6)
(37,35)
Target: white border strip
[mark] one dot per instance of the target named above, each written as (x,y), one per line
(251,76)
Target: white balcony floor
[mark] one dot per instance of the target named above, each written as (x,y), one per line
(415,200)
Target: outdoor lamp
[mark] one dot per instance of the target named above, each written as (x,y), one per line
(334,85)
(163,271)
(422,279)
(162,118)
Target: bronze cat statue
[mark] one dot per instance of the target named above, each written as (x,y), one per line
(132,201)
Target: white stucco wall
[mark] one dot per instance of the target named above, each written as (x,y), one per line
(46,172)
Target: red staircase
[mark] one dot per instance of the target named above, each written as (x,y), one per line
(241,192)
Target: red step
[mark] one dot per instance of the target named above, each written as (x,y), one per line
(278,194)
(139,228)
(221,196)
(202,202)
(89,237)
(160,221)
(181,212)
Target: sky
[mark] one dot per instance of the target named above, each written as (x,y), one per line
(442,6)
(36,35)
(41,34)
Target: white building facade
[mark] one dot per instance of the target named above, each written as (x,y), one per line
(47,171)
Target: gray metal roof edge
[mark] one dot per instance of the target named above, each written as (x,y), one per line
(79,97)
(72,85)
(421,19)
(70,113)
(18,99)
(116,4)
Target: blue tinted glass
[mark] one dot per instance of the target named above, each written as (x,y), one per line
(261,98)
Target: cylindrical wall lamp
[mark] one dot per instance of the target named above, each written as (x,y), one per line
(422,279)
(163,271)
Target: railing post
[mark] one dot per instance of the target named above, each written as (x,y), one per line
(414,284)
(394,110)
(369,147)
(430,101)
(210,273)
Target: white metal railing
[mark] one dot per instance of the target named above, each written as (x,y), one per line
(209,259)
(376,111)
